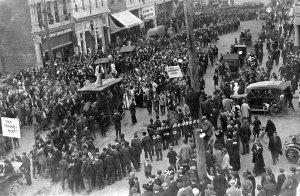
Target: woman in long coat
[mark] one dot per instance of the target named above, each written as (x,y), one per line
(235,155)
(133,112)
(258,159)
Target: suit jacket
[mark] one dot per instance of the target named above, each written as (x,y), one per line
(220,183)
(275,144)
(26,163)
(124,155)
(146,143)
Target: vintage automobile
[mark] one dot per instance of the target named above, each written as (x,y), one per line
(11,185)
(292,151)
(265,96)
(233,61)
(106,97)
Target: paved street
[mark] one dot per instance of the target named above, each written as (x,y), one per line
(285,125)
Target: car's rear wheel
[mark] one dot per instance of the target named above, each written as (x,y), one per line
(292,155)
(14,189)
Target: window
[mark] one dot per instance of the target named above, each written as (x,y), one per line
(83,4)
(112,1)
(39,14)
(56,11)
(65,7)
(102,3)
(96,3)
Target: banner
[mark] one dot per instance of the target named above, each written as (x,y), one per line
(174,71)
(11,127)
(178,125)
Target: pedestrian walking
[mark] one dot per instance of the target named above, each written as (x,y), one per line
(132,108)
(26,168)
(275,147)
(258,159)
(172,156)
(117,121)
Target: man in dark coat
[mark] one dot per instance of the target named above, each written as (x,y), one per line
(117,163)
(63,171)
(26,168)
(117,121)
(109,168)
(52,164)
(86,173)
(245,135)
(137,149)
(147,145)
(275,147)
(270,128)
(125,159)
(98,165)
(220,183)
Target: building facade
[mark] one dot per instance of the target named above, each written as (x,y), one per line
(297,23)
(16,46)
(74,26)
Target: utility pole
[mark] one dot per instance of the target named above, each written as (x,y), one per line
(48,40)
(194,74)
(2,59)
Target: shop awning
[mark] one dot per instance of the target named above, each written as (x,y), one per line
(126,18)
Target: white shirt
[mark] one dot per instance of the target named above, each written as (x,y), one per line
(225,163)
(245,110)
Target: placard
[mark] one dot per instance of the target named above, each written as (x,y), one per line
(11,127)
(174,71)
(148,12)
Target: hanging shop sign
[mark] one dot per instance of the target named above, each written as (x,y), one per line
(148,12)
(55,34)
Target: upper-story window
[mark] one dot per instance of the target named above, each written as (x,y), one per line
(39,14)
(96,2)
(65,7)
(102,3)
(112,1)
(56,11)
(83,4)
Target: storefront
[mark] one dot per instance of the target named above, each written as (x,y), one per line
(61,43)
(92,34)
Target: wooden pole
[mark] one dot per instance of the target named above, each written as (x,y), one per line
(195,84)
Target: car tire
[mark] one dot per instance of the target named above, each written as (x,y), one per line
(14,189)
(292,155)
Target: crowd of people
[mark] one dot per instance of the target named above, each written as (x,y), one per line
(47,98)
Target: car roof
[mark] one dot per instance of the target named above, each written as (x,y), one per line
(269,85)
(106,83)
